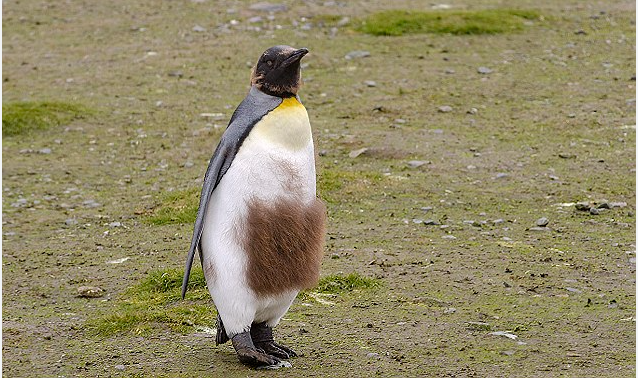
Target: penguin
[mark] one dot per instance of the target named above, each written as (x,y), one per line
(260,227)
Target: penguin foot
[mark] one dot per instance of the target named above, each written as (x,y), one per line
(248,354)
(261,335)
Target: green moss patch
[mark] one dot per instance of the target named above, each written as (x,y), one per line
(346,283)
(488,21)
(156,301)
(26,117)
(177,207)
(335,185)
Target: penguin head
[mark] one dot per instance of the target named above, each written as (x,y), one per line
(277,72)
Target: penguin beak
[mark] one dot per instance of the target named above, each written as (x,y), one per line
(295,56)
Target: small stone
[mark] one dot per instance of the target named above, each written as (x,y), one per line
(430,222)
(445,109)
(115,224)
(71,221)
(268,7)
(507,352)
(584,207)
(188,164)
(90,292)
(357,54)
(484,70)
(566,155)
(46,150)
(539,229)
(120,367)
(472,111)
(370,83)
(199,29)
(501,175)
(372,355)
(617,204)
(255,19)
(176,74)
(450,71)
(19,203)
(580,32)
(356,153)
(417,221)
(449,310)
(543,221)
(575,290)
(498,221)
(415,164)
(594,211)
(91,204)
(426,209)
(448,237)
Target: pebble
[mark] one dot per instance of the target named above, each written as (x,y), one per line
(430,222)
(498,221)
(357,54)
(539,229)
(594,211)
(372,355)
(356,153)
(268,7)
(450,71)
(255,19)
(472,111)
(448,237)
(46,150)
(415,164)
(71,221)
(176,74)
(445,109)
(87,291)
(120,367)
(370,83)
(501,175)
(115,224)
(484,70)
(426,209)
(188,164)
(543,221)
(417,221)
(449,310)
(91,204)
(19,203)
(199,29)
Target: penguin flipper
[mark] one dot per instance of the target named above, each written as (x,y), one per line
(255,106)
(221,336)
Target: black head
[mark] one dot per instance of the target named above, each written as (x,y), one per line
(277,72)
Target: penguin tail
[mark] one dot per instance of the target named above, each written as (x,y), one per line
(221,337)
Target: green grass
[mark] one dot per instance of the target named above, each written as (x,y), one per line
(26,117)
(489,21)
(156,301)
(179,207)
(346,283)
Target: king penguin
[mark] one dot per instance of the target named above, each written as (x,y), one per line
(260,227)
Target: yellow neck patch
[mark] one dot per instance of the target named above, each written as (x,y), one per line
(287,126)
(289,102)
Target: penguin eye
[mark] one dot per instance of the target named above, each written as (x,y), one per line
(269,63)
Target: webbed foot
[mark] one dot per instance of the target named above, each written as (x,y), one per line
(262,337)
(248,354)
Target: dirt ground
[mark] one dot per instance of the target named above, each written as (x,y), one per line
(452,166)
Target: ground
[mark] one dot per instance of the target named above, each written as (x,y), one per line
(484,183)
